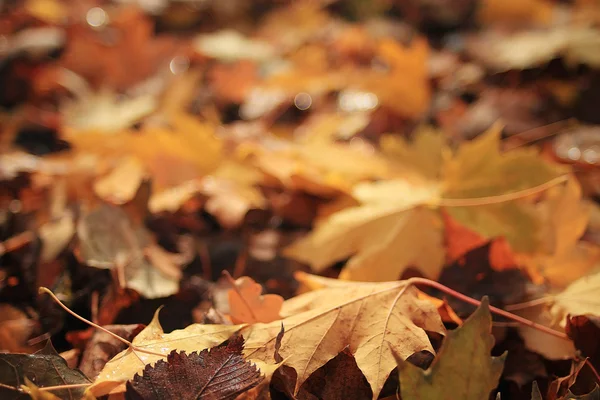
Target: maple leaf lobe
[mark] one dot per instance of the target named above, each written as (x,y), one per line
(216,373)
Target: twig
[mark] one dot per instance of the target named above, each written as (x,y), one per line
(495,310)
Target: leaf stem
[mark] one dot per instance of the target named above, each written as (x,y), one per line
(483,201)
(495,310)
(530,303)
(87,321)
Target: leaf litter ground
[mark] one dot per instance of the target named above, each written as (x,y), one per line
(417,157)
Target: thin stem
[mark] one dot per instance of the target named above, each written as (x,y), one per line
(495,310)
(60,387)
(528,304)
(68,310)
(119,338)
(482,201)
(555,125)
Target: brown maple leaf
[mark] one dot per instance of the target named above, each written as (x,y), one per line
(218,373)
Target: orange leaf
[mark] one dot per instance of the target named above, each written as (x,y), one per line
(248,305)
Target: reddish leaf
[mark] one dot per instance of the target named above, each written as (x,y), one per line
(218,373)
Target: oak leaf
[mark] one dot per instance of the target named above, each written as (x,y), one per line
(216,373)
(463,367)
(248,305)
(372,320)
(127,363)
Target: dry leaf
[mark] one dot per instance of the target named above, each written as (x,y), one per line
(122,183)
(126,364)
(373,321)
(387,234)
(216,373)
(579,298)
(248,305)
(463,368)
(564,258)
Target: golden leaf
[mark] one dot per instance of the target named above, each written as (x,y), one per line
(373,320)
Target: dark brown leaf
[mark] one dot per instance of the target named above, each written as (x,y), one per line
(584,330)
(217,373)
(45,368)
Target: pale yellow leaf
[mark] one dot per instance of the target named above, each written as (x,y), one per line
(366,230)
(579,298)
(549,346)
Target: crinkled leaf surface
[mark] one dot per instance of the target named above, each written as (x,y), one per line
(216,373)
(463,368)
(372,320)
(127,363)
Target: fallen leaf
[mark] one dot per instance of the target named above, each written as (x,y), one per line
(463,367)
(550,347)
(583,331)
(371,320)
(35,393)
(480,169)
(424,153)
(123,367)
(563,258)
(109,240)
(387,234)
(102,347)
(122,183)
(579,298)
(389,231)
(46,368)
(216,373)
(248,305)
(533,48)
(229,45)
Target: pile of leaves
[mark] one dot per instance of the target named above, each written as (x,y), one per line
(323,199)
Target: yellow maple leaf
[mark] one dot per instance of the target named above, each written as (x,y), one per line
(479,170)
(183,150)
(386,232)
(155,345)
(373,320)
(479,186)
